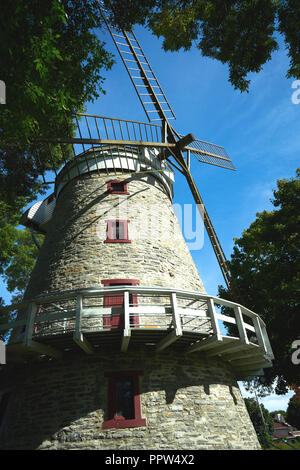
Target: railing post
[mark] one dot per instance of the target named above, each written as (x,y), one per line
(259,334)
(126,311)
(31,312)
(214,321)
(77,330)
(177,332)
(240,324)
(267,342)
(78,337)
(126,331)
(176,316)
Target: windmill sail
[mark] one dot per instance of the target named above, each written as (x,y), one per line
(92,135)
(212,154)
(149,91)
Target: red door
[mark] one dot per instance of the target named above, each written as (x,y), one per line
(116,303)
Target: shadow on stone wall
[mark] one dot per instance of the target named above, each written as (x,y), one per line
(66,400)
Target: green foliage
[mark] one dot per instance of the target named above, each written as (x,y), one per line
(285,444)
(265,269)
(278,412)
(293,413)
(262,421)
(240,33)
(24,254)
(53,64)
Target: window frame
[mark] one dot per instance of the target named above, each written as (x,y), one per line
(110,230)
(113,420)
(111,190)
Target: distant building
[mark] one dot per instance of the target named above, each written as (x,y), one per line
(282,429)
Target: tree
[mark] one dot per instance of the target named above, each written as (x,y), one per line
(240,33)
(262,421)
(278,412)
(51,63)
(293,412)
(265,270)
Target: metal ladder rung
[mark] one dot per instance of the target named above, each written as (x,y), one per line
(161,119)
(155,111)
(141,78)
(126,52)
(119,36)
(123,37)
(154,86)
(151,94)
(130,60)
(151,102)
(128,45)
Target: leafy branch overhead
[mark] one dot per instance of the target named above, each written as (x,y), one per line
(52,61)
(242,34)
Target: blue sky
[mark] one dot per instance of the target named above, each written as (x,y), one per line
(259,130)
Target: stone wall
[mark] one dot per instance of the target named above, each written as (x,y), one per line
(188,401)
(74,253)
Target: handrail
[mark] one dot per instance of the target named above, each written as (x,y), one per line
(80,312)
(90,291)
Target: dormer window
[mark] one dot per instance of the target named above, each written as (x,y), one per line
(117,187)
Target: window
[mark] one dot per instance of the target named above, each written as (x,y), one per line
(116,302)
(117,187)
(117,231)
(124,404)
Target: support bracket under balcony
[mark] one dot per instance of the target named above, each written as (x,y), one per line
(43,349)
(78,336)
(175,334)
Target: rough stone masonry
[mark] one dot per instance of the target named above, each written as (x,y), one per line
(187,401)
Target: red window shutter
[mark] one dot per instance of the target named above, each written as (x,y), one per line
(117,231)
(114,419)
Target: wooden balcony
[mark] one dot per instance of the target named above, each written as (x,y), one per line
(108,319)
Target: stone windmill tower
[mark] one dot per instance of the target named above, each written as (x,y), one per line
(116,344)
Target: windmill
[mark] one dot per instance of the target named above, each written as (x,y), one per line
(157,108)
(171,147)
(128,349)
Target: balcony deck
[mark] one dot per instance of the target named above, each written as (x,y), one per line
(124,318)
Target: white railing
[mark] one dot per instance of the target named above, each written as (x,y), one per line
(132,308)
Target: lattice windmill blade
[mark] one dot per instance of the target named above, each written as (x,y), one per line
(146,85)
(206,152)
(148,89)
(92,134)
